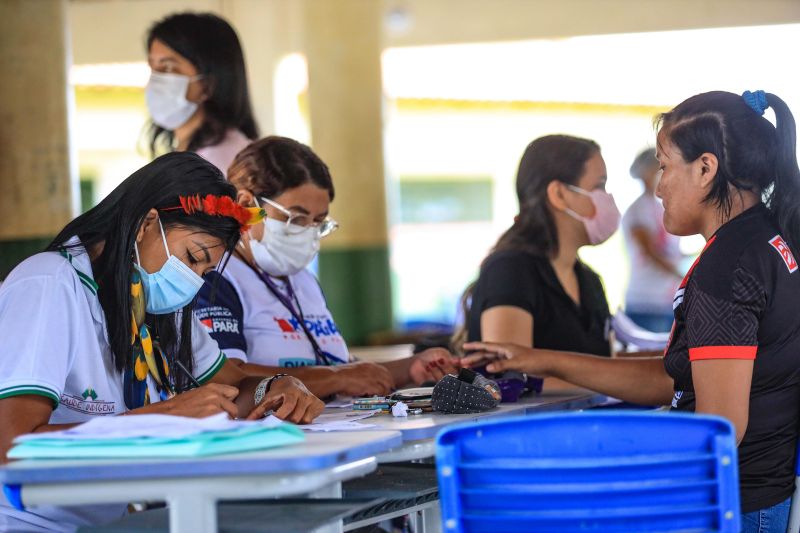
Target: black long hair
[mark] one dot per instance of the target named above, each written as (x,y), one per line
(211,45)
(549,158)
(753,154)
(113,224)
(274,164)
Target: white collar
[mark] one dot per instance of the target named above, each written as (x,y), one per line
(80,261)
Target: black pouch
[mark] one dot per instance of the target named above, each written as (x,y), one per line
(469,392)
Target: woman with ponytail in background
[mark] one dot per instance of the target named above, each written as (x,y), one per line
(731,176)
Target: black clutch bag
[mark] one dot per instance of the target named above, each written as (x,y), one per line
(469,392)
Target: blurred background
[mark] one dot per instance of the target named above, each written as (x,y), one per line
(422,109)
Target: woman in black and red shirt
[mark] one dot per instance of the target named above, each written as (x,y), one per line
(731,176)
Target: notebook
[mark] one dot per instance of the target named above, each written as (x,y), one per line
(156,436)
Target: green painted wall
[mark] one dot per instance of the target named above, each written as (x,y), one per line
(12,252)
(358,289)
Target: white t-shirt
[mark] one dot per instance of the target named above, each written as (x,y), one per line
(55,344)
(222,155)
(650,289)
(250,323)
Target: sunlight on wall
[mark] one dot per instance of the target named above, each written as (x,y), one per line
(462,110)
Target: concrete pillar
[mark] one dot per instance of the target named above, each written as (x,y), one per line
(37,189)
(268,31)
(343,43)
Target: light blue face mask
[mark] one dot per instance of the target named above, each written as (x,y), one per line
(172,287)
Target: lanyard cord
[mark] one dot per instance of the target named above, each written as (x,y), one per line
(321,357)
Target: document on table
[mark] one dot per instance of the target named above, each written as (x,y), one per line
(156,426)
(340,402)
(156,436)
(341,421)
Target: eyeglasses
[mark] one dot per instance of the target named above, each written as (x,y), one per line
(297,222)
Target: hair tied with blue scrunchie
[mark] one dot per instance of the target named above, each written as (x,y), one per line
(757,100)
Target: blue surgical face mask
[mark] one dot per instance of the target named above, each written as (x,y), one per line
(172,287)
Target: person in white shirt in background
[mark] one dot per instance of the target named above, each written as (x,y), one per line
(267,311)
(654,254)
(100,324)
(197,95)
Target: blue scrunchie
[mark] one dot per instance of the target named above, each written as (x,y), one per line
(757,100)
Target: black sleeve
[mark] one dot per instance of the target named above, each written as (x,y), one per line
(219,309)
(724,326)
(509,279)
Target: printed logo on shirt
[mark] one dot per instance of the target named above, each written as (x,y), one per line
(782,248)
(676,398)
(217,319)
(678,300)
(294,362)
(89,393)
(321,327)
(87,403)
(221,325)
(284,325)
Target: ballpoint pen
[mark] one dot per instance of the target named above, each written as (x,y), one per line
(188,374)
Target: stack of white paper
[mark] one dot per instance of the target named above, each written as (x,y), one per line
(341,421)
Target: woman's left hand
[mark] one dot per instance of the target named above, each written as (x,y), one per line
(290,400)
(432,365)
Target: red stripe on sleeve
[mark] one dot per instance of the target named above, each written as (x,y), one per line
(722,352)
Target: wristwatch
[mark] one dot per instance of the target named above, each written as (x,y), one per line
(263,387)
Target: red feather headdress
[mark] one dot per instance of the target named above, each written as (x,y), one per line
(221,206)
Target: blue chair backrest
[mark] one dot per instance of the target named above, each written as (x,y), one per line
(591,471)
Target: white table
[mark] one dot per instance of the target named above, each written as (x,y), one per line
(192,487)
(419,431)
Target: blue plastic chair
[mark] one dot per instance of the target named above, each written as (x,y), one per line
(592,471)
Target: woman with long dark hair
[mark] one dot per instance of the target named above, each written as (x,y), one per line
(731,176)
(197,94)
(100,324)
(533,290)
(267,311)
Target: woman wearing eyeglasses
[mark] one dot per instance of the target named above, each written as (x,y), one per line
(267,309)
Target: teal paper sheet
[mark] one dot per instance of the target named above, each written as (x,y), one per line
(241,439)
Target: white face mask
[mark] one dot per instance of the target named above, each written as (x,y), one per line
(166,99)
(279,253)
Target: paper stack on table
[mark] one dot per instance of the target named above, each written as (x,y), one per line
(156,436)
(340,421)
(340,402)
